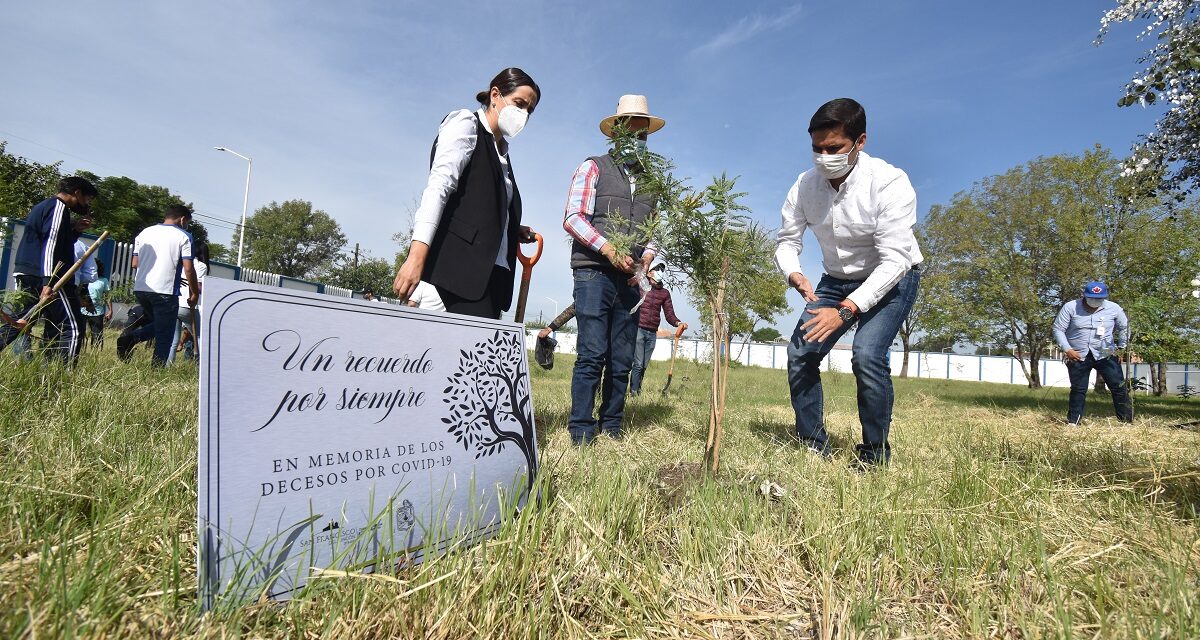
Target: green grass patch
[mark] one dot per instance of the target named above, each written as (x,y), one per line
(995,520)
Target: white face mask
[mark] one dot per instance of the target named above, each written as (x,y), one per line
(512,120)
(633,149)
(833,166)
(1094,303)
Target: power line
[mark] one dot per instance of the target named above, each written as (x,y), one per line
(212,220)
(115,170)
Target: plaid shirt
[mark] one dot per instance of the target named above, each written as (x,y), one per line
(581,206)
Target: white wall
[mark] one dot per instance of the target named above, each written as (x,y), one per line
(946,366)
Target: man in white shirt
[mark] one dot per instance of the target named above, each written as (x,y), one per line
(862,211)
(160,254)
(425,296)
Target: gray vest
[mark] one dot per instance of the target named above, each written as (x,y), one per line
(615,209)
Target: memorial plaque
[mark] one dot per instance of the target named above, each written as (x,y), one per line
(340,433)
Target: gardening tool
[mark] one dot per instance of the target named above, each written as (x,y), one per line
(24,322)
(527,263)
(674,348)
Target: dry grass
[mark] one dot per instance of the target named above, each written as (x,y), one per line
(995,520)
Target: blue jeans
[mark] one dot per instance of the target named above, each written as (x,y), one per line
(1110,370)
(643,348)
(870,359)
(603,300)
(187,318)
(161,310)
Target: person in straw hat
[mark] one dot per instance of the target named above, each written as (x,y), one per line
(604,197)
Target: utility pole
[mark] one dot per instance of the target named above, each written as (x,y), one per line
(355,255)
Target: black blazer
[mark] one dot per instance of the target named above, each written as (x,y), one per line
(463,251)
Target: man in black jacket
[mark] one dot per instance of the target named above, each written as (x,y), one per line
(46,251)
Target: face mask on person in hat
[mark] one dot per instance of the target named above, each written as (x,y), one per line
(512,119)
(834,165)
(1094,303)
(631,150)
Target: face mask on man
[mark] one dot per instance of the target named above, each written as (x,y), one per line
(630,151)
(833,166)
(512,120)
(1094,303)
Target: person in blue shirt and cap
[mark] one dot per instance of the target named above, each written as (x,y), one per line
(1089,331)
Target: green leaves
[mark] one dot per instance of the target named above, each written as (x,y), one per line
(1004,256)
(292,239)
(375,274)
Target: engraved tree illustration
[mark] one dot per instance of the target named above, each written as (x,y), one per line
(489,398)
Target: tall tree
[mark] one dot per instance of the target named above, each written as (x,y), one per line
(934,323)
(24,183)
(766,334)
(124,207)
(1016,247)
(292,239)
(1164,330)
(375,274)
(1172,77)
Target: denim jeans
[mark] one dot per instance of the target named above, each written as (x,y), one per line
(1107,368)
(187,318)
(603,300)
(643,348)
(870,360)
(161,310)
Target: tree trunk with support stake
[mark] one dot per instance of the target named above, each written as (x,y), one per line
(720,374)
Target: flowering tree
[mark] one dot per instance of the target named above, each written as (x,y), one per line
(1172,151)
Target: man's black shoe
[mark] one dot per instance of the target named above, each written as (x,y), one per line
(125,343)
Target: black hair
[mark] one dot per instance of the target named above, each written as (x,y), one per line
(200,252)
(71,184)
(507,82)
(844,113)
(101,270)
(177,211)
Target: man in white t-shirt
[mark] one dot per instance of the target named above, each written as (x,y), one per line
(160,254)
(425,296)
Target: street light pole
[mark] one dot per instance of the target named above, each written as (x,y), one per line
(555,304)
(245,201)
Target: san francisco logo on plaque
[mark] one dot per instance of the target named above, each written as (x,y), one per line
(338,433)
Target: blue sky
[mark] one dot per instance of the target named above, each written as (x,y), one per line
(339,104)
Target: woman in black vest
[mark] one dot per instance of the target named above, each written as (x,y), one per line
(468,225)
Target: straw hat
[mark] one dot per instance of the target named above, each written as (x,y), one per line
(631,105)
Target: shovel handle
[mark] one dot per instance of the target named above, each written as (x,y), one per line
(68,276)
(529,261)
